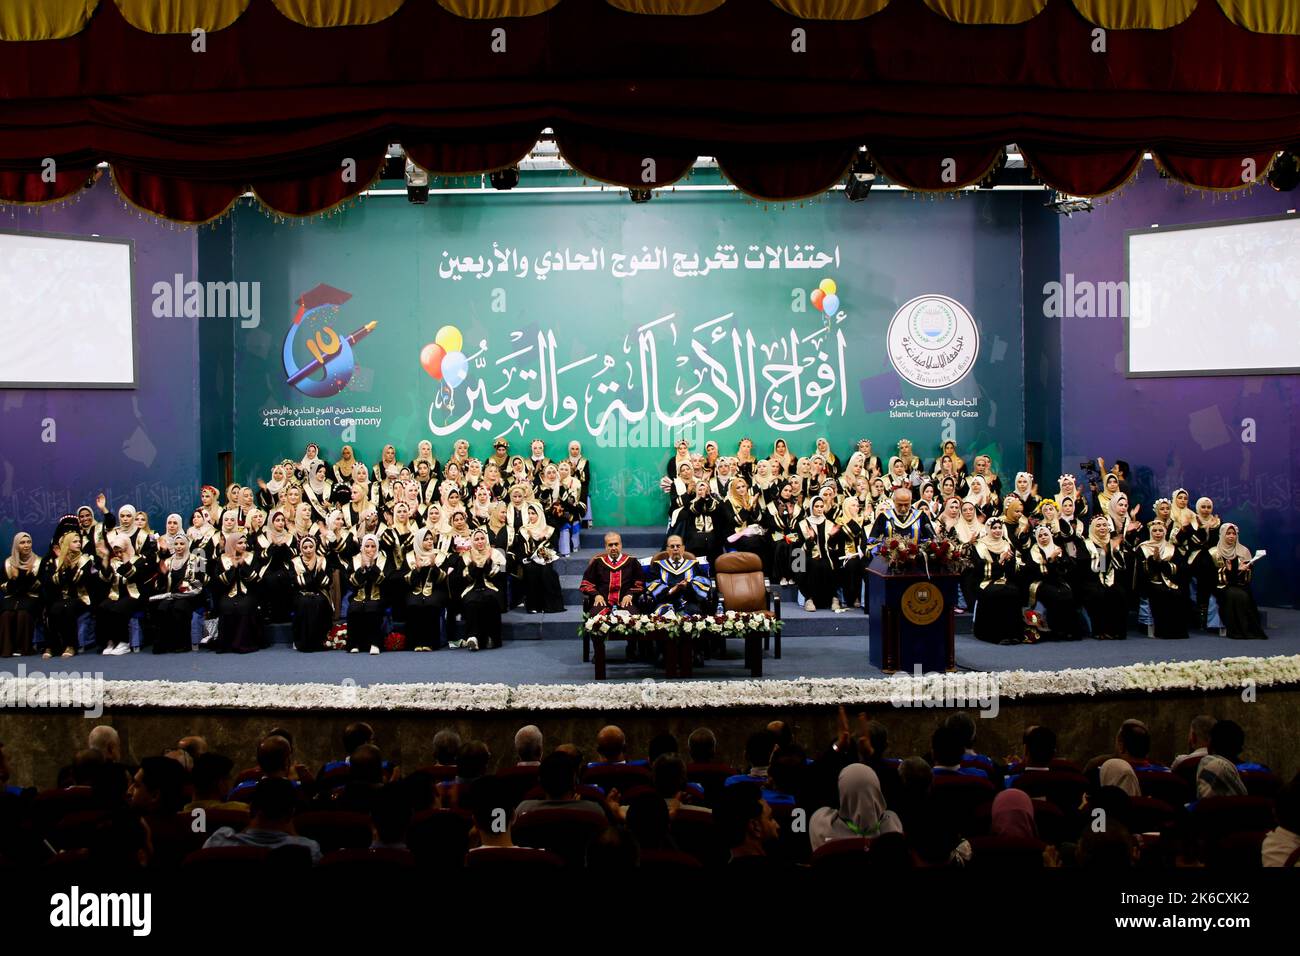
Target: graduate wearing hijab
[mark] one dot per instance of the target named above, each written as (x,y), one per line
(1025,491)
(1048,572)
(235,581)
(542,591)
(125,573)
(818,582)
(424,453)
(366,608)
(427,596)
(179,594)
(1162,580)
(998,604)
(861,812)
(20,597)
(347,470)
(477,578)
(1237,609)
(977,493)
(697,523)
(1197,538)
(74,585)
(313,612)
(849,547)
(1102,575)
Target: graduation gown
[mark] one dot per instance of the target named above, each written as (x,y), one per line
(666,574)
(612,580)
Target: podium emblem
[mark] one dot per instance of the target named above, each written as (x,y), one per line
(922,603)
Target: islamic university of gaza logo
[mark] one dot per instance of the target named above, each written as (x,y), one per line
(312,338)
(922,603)
(933,341)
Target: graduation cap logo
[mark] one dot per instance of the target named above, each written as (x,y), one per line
(327,352)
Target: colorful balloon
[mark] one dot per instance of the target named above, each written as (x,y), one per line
(449,338)
(831,304)
(827,286)
(431,357)
(455,367)
(817,297)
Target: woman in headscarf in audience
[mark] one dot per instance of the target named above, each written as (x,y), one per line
(426,592)
(1048,571)
(998,605)
(20,597)
(542,592)
(1012,816)
(313,612)
(477,578)
(1102,576)
(1232,563)
(1120,773)
(1162,580)
(861,813)
(235,581)
(366,607)
(182,579)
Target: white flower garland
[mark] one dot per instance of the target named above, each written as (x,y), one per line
(1234,672)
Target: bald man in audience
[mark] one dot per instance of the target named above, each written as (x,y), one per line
(611,745)
(529,744)
(105,739)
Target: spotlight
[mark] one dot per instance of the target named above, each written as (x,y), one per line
(1284,175)
(507,178)
(417,184)
(991,180)
(858,183)
(640,195)
(1068,205)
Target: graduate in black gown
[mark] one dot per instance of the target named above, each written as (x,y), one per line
(1101,581)
(126,573)
(1162,580)
(998,604)
(818,582)
(781,520)
(542,592)
(178,593)
(235,579)
(1197,538)
(427,596)
(1237,608)
(20,597)
(1047,575)
(697,523)
(849,546)
(366,577)
(477,577)
(74,584)
(313,613)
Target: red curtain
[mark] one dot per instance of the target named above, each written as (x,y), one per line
(270,102)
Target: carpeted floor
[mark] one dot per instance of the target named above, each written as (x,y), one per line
(559,661)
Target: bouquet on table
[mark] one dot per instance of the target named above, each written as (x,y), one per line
(728,624)
(621,624)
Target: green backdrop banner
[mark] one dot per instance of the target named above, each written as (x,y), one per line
(624,326)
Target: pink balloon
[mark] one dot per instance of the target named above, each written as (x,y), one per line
(431,357)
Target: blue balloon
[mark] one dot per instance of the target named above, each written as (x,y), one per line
(830,305)
(454,368)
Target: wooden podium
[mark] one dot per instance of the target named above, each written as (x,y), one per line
(912,619)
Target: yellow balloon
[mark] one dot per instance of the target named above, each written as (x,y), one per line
(827,286)
(449,338)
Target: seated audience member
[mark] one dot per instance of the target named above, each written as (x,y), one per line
(670,784)
(612,579)
(271,826)
(1040,750)
(1118,772)
(158,787)
(1216,774)
(488,800)
(211,780)
(275,760)
(1112,848)
(1282,845)
(758,754)
(946,743)
(193,745)
(1198,739)
(861,812)
(1134,744)
(355,734)
(747,824)
(528,746)
(611,747)
(964,726)
(648,819)
(702,745)
(390,817)
(473,762)
(1120,750)
(558,777)
(446,747)
(785,776)
(105,739)
(364,782)
(613,849)
(660,744)
(1012,816)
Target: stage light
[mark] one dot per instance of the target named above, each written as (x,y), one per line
(1284,175)
(1068,205)
(417,184)
(861,177)
(990,181)
(507,178)
(640,195)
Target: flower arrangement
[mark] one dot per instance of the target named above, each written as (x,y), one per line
(620,624)
(624,625)
(936,555)
(729,624)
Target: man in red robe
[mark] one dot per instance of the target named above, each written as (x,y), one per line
(612,579)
